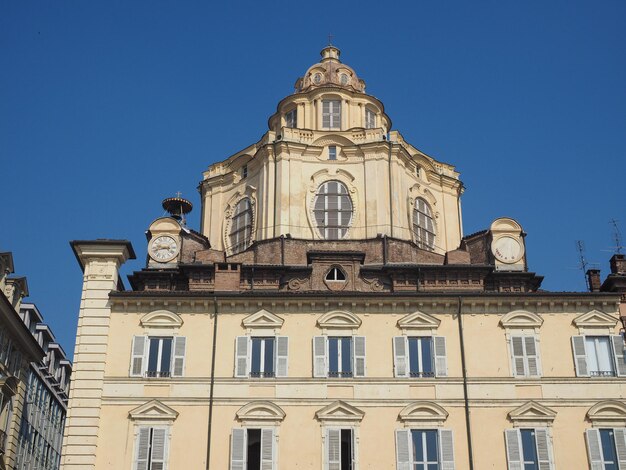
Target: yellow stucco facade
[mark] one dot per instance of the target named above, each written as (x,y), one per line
(331,327)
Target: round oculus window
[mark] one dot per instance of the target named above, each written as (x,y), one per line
(344,79)
(317,78)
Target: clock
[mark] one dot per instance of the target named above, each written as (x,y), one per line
(163,248)
(507,249)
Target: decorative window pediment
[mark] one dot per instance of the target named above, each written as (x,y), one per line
(418,321)
(532,414)
(154,412)
(595,319)
(521,319)
(260,412)
(610,413)
(161,319)
(263,319)
(423,413)
(339,319)
(340,412)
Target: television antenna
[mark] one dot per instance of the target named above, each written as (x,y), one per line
(617,236)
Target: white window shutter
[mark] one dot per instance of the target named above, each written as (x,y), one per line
(620,446)
(580,357)
(359,356)
(138,355)
(403,449)
(332,459)
(268,460)
(178,358)
(320,348)
(517,356)
(513,449)
(618,349)
(242,348)
(143,448)
(446,449)
(441,362)
(594,449)
(400,362)
(238,449)
(532,356)
(159,444)
(544,449)
(282,352)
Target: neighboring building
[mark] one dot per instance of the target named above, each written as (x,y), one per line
(18,348)
(43,419)
(330,314)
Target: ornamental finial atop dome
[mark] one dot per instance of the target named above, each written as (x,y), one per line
(330,52)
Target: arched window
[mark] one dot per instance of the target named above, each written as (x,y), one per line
(423,225)
(335,274)
(333,210)
(241,226)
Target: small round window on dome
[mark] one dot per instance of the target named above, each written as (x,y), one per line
(344,79)
(335,274)
(317,78)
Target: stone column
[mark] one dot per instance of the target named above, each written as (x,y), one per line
(100,260)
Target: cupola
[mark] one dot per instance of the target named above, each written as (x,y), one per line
(330,72)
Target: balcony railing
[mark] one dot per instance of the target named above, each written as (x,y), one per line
(262,374)
(602,373)
(422,374)
(339,374)
(158,373)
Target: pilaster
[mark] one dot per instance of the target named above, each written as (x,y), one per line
(100,261)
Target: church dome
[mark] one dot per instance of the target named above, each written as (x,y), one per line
(330,72)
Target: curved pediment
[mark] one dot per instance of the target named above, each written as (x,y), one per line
(263,319)
(608,413)
(339,319)
(161,319)
(533,412)
(340,411)
(505,224)
(261,411)
(595,318)
(521,319)
(419,321)
(424,412)
(153,411)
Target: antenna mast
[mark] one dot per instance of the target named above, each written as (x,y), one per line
(617,236)
(580,246)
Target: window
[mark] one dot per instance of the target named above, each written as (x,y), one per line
(260,356)
(607,448)
(529,449)
(332,152)
(331,114)
(335,274)
(339,356)
(525,356)
(244,171)
(333,210)
(339,449)
(291,118)
(253,449)
(423,225)
(599,356)
(158,356)
(151,448)
(370,119)
(241,226)
(424,449)
(421,356)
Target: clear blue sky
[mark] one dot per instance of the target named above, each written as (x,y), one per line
(108,107)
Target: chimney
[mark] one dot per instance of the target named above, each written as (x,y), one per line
(593,280)
(618,264)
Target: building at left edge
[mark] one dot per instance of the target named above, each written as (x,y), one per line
(34,380)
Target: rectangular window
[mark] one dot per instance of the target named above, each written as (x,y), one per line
(332,152)
(370,119)
(607,444)
(420,356)
(529,449)
(291,119)
(253,449)
(424,449)
(599,356)
(606,448)
(339,356)
(331,114)
(339,449)
(525,356)
(261,356)
(244,171)
(151,448)
(159,357)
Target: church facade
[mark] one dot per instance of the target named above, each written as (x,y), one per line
(330,314)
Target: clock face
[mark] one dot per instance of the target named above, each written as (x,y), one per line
(163,248)
(507,249)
